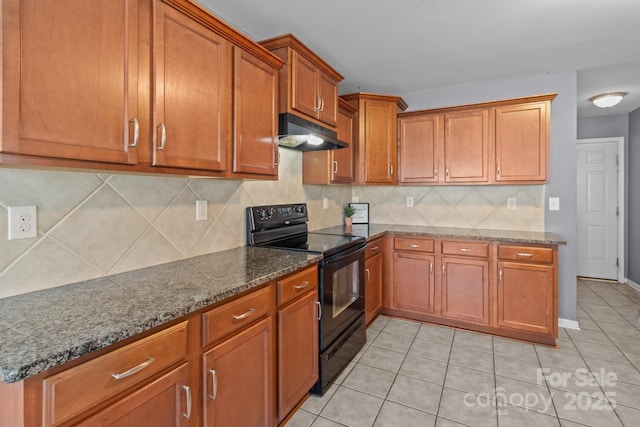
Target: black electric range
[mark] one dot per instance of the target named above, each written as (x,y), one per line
(341,289)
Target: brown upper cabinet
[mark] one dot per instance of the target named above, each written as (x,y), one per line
(376,137)
(255,125)
(308,85)
(192,66)
(69,81)
(136,86)
(498,142)
(333,166)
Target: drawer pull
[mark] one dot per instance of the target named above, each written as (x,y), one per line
(136,132)
(374,248)
(187,390)
(368,274)
(134,370)
(524,255)
(412,245)
(319,317)
(214,384)
(430,268)
(244,315)
(302,285)
(335,166)
(163,137)
(464,250)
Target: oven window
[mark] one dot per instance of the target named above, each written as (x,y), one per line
(345,287)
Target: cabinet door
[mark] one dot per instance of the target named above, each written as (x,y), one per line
(413,284)
(525,297)
(239,379)
(298,354)
(166,402)
(255,127)
(69,79)
(420,142)
(328,92)
(373,287)
(466,141)
(304,96)
(465,289)
(192,99)
(522,140)
(343,159)
(380,145)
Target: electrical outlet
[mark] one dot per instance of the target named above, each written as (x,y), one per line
(409,202)
(554,203)
(201,210)
(511,202)
(23,222)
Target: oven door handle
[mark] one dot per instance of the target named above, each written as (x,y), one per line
(343,260)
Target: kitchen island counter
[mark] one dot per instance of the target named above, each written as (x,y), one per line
(44,329)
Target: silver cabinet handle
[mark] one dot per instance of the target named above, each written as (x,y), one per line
(500,276)
(391,170)
(443,270)
(187,391)
(430,268)
(134,370)
(277,156)
(524,255)
(244,315)
(412,245)
(321,103)
(435,171)
(136,132)
(368,274)
(301,285)
(214,384)
(498,170)
(335,166)
(446,171)
(464,250)
(318,103)
(163,136)
(319,316)
(375,248)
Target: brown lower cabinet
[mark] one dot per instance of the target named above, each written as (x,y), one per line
(238,374)
(373,280)
(482,285)
(248,362)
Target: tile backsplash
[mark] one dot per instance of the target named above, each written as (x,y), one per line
(91,225)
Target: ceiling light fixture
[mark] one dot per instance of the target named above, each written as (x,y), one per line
(607,100)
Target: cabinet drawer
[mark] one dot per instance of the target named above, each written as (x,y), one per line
(297,284)
(525,253)
(373,247)
(479,249)
(235,315)
(413,244)
(81,387)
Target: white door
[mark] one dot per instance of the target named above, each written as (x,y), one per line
(597,237)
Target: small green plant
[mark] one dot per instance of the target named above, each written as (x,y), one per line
(349,211)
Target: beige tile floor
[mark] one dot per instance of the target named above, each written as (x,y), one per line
(412,374)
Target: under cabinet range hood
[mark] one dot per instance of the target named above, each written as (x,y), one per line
(300,134)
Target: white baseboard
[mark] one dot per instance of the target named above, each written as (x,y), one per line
(633,284)
(568,324)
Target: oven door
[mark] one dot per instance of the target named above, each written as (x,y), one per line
(342,290)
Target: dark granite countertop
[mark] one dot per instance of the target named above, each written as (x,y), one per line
(371,231)
(44,329)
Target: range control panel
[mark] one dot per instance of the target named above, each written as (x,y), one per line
(275,216)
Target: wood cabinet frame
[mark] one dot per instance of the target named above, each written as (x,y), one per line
(499,142)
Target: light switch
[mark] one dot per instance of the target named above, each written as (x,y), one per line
(554,203)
